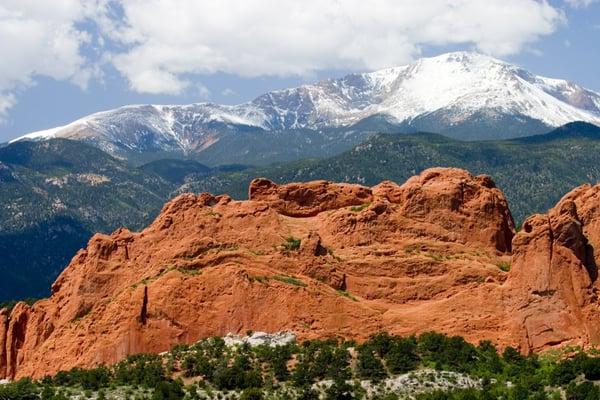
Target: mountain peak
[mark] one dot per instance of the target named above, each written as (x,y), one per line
(463,57)
(465,95)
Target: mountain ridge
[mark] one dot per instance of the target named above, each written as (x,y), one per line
(324,260)
(55,194)
(464,95)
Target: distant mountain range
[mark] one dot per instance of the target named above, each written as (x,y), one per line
(57,193)
(462,95)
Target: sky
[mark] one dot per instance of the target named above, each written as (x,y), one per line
(64,59)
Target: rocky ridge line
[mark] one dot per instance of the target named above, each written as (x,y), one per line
(322,260)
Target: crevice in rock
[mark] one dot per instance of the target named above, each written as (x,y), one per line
(590,262)
(551,236)
(587,258)
(544,293)
(144,310)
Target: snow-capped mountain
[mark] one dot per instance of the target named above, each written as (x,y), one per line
(464,95)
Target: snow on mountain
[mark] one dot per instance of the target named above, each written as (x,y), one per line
(453,88)
(469,82)
(169,128)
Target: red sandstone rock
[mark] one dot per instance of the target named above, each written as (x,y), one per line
(3,329)
(415,257)
(308,199)
(552,288)
(453,199)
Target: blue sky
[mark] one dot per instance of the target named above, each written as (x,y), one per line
(66,58)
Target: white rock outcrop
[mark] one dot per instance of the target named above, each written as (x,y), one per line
(261,339)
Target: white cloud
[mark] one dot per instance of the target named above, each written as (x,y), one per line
(7,100)
(40,38)
(159,45)
(167,42)
(203,92)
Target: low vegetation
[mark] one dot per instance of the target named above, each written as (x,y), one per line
(9,305)
(359,208)
(426,367)
(290,280)
(504,266)
(291,244)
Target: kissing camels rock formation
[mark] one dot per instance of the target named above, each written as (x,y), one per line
(421,256)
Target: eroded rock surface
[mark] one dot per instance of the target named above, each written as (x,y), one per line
(552,286)
(421,256)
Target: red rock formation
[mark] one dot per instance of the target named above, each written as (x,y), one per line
(406,259)
(3,329)
(552,286)
(308,199)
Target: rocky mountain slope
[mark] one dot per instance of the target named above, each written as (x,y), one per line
(439,252)
(55,195)
(462,95)
(534,172)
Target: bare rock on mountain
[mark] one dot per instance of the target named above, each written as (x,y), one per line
(3,330)
(321,260)
(553,282)
(308,199)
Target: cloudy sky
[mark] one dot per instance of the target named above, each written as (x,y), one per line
(63,59)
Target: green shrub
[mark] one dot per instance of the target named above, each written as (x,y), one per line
(23,389)
(290,280)
(340,390)
(504,266)
(563,373)
(359,208)
(308,393)
(347,294)
(591,368)
(291,244)
(402,355)
(166,390)
(140,370)
(240,375)
(258,371)
(251,394)
(369,366)
(584,391)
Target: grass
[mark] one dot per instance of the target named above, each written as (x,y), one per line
(147,280)
(259,278)
(189,271)
(346,294)
(434,255)
(412,249)
(359,208)
(291,244)
(504,266)
(290,280)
